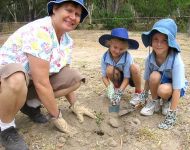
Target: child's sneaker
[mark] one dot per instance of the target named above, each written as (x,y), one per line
(138,98)
(169,121)
(165,107)
(135,100)
(151,107)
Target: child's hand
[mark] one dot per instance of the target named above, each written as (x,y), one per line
(110,90)
(143,97)
(117,97)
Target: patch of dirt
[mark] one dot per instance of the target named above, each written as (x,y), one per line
(134,132)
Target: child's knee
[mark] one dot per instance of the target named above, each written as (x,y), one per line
(112,72)
(135,69)
(155,77)
(164,90)
(109,70)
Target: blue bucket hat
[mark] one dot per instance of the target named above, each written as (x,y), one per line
(119,33)
(165,26)
(80,2)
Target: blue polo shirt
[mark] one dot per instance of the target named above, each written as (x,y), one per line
(123,64)
(173,69)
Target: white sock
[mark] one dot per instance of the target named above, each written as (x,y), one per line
(33,103)
(5,126)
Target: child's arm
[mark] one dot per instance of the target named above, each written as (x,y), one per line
(126,71)
(124,84)
(147,73)
(175,99)
(106,81)
(103,71)
(178,80)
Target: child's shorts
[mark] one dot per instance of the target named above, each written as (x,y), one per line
(119,82)
(165,79)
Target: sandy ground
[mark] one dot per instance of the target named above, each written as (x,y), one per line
(135,132)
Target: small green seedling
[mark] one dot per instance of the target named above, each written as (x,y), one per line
(99,119)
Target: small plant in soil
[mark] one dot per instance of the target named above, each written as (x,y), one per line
(99,119)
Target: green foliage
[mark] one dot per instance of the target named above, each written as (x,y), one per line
(99,118)
(18,10)
(183,23)
(123,18)
(158,8)
(162,8)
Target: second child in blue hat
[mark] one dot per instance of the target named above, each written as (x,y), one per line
(164,71)
(118,67)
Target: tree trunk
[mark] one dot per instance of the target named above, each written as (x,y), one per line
(13,14)
(115,6)
(106,5)
(30,7)
(188,28)
(14,11)
(90,8)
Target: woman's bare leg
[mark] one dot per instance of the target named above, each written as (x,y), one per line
(12,96)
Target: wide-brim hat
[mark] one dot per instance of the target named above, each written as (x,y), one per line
(80,2)
(119,33)
(165,26)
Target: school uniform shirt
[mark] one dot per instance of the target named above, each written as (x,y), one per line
(39,39)
(124,63)
(172,68)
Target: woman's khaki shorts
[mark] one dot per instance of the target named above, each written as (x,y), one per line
(64,79)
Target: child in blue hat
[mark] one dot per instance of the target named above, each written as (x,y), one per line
(117,65)
(164,71)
